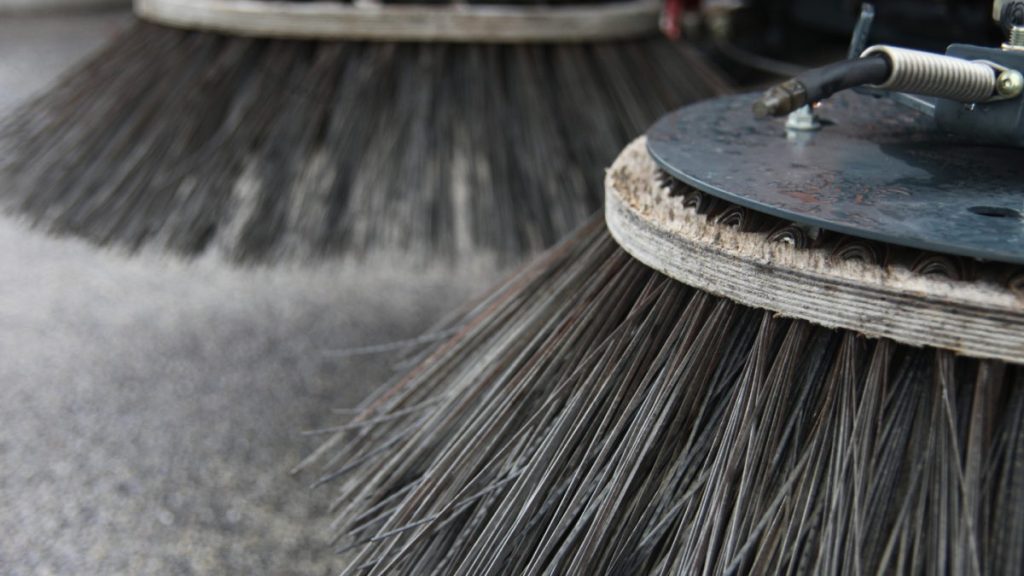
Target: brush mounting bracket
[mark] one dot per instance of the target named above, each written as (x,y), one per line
(997,121)
(456,22)
(875,170)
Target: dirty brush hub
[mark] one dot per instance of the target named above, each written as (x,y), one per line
(794,351)
(277,129)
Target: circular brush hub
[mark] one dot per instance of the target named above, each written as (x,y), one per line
(874,170)
(427,22)
(830,279)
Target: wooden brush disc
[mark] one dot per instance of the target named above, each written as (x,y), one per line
(832,283)
(331,20)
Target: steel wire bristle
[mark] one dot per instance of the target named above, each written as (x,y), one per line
(265,149)
(598,417)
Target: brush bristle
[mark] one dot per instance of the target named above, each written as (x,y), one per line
(593,416)
(266,149)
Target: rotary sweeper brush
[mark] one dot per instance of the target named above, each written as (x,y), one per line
(278,129)
(799,350)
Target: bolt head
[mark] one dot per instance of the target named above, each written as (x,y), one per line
(1010,83)
(803,119)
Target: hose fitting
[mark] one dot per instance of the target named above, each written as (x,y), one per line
(897,70)
(781,99)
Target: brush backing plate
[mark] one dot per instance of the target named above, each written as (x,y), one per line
(875,170)
(331,20)
(980,318)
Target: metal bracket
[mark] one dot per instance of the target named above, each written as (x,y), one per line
(859,43)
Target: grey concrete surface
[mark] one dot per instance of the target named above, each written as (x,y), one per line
(150,408)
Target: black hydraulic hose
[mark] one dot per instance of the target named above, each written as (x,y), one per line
(827,80)
(820,83)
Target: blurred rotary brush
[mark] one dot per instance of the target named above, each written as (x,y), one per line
(306,129)
(792,350)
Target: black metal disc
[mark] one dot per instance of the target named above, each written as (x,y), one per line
(876,170)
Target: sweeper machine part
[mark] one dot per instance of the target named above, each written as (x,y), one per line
(923,176)
(410,22)
(802,352)
(972,91)
(325,128)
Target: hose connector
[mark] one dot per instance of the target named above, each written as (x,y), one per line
(781,99)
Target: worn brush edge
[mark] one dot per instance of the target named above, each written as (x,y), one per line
(980,320)
(326,20)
